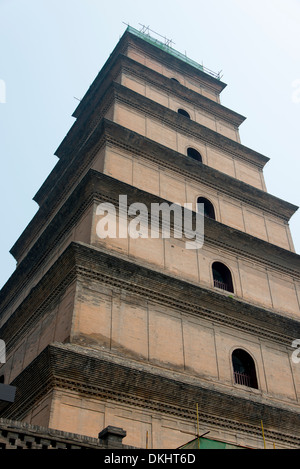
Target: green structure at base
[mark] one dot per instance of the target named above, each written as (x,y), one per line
(206,443)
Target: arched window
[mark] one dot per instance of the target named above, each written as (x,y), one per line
(209,210)
(183,113)
(222,277)
(175,79)
(192,153)
(244,369)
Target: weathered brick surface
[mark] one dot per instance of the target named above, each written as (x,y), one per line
(99,376)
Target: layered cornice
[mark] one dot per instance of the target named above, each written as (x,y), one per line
(182,92)
(97,187)
(113,377)
(83,128)
(128,39)
(83,263)
(70,368)
(125,64)
(65,172)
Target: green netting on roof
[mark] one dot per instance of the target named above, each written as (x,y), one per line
(206,443)
(170,50)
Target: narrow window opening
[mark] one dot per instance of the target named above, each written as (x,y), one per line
(244,369)
(209,210)
(222,277)
(183,112)
(192,153)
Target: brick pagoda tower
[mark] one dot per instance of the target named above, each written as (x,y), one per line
(140,333)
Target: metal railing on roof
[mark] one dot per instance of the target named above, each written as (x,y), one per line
(167,47)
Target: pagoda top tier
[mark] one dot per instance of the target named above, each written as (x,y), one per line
(164,53)
(167,47)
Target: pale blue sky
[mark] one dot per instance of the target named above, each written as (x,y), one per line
(51,51)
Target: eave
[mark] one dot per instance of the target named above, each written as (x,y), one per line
(122,63)
(96,187)
(163,57)
(70,368)
(85,263)
(83,127)
(65,172)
